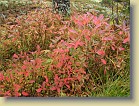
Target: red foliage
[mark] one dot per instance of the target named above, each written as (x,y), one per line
(25,93)
(103,61)
(101,52)
(39,90)
(77,46)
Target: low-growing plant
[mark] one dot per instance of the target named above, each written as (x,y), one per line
(55,57)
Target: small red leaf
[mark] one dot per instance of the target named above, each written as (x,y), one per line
(26,73)
(7,79)
(25,93)
(60,84)
(38,48)
(43,85)
(53,88)
(121,48)
(56,78)
(17,94)
(39,90)
(103,61)
(96,21)
(100,52)
(23,67)
(46,79)
(101,17)
(20,80)
(79,77)
(15,56)
(113,48)
(19,73)
(59,65)
(72,31)
(1,77)
(56,40)
(51,45)
(105,72)
(68,86)
(2,86)
(78,43)
(38,61)
(126,40)
(7,93)
(108,38)
(17,87)
(31,81)
(120,33)
(25,62)
(87,37)
(63,28)
(82,71)
(58,90)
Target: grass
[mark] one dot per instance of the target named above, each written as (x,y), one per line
(118,88)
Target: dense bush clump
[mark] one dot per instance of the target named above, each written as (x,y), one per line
(44,55)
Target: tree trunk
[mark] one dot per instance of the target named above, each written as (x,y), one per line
(61,6)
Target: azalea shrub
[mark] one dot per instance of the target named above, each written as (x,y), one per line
(45,55)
